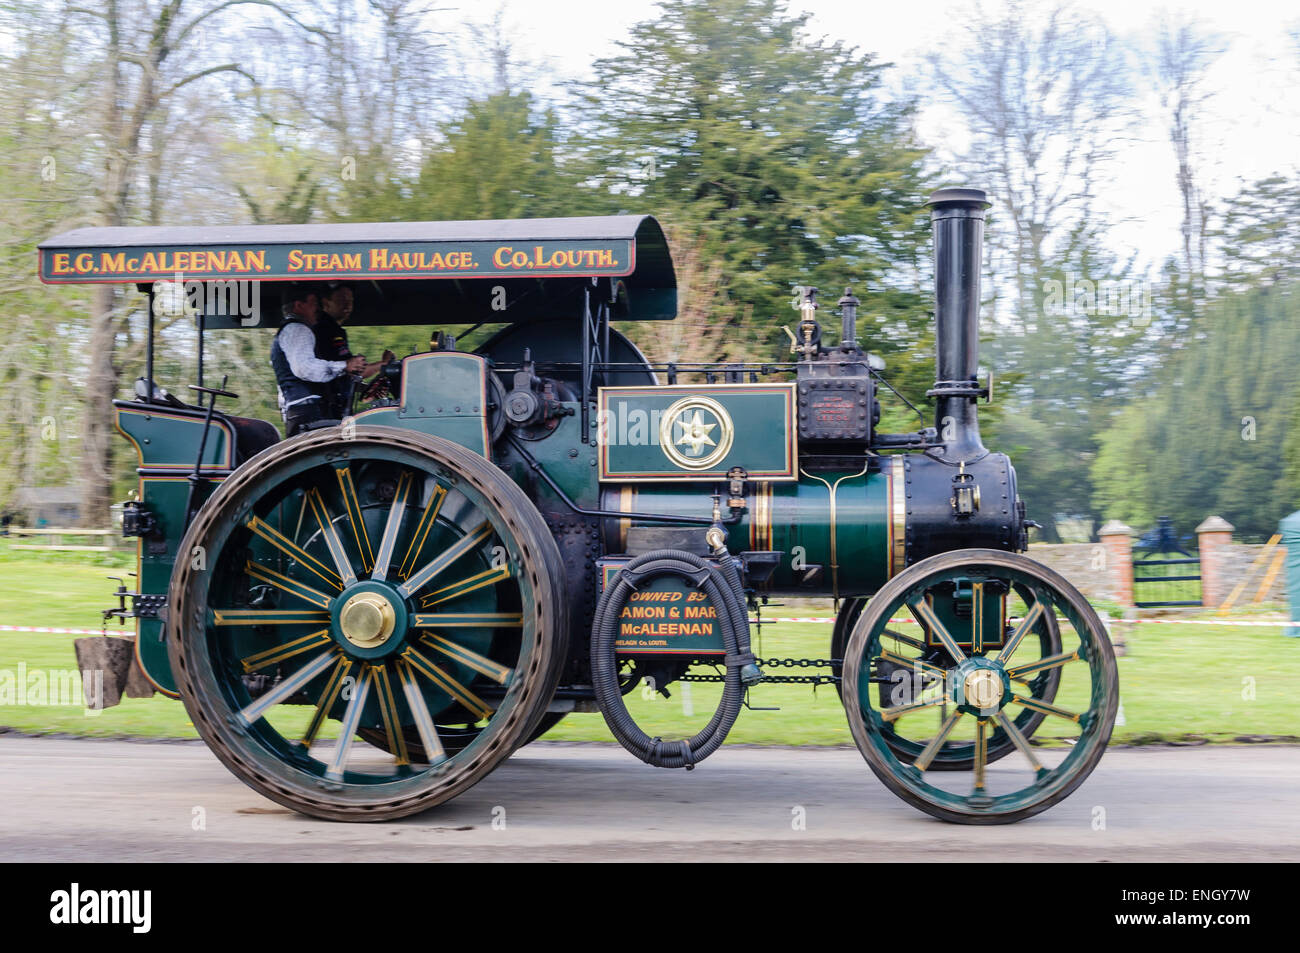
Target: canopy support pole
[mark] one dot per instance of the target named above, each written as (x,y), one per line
(203,320)
(148,352)
(595,349)
(586,366)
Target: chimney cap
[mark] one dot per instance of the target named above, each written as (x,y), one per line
(960,198)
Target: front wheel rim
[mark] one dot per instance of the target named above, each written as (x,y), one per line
(1042,780)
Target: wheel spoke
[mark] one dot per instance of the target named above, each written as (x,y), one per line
(423,576)
(353,506)
(332,542)
(977,618)
(433,749)
(924,614)
(285,584)
(907,640)
(898,711)
(1033,704)
(981,754)
(294,551)
(388,710)
(1017,636)
(327,699)
(425,667)
(287,650)
(348,726)
(391,528)
(1042,664)
(927,755)
(1021,742)
(467,620)
(427,519)
(287,687)
(463,586)
(270,617)
(485,666)
(912,663)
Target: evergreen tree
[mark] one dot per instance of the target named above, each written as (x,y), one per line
(779,153)
(1220,436)
(499,160)
(1260,232)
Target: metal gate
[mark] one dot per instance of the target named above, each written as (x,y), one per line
(1164,573)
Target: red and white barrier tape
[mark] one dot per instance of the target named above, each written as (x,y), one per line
(1227,622)
(817,619)
(39,628)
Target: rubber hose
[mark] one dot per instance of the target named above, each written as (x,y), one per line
(654,751)
(676,754)
(723,590)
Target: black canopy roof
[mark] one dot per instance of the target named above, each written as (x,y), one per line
(502,271)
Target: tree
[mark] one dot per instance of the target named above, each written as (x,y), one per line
(40,173)
(1259,233)
(1184,52)
(779,151)
(141,57)
(1220,436)
(130,120)
(497,160)
(1044,98)
(352,96)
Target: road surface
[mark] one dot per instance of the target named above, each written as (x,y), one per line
(87,800)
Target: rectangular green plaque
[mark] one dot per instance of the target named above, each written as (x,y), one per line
(691,432)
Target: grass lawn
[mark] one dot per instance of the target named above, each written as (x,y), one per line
(1187,679)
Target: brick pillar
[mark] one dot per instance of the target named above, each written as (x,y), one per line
(1212,539)
(1118,540)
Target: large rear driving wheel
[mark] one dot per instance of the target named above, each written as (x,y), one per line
(383,580)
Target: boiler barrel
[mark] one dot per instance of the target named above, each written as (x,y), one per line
(856,542)
(860,524)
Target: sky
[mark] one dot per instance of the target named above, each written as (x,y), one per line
(1251,125)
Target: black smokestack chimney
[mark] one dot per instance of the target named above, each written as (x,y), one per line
(957,216)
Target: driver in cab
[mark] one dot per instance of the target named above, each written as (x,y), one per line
(304,380)
(336,304)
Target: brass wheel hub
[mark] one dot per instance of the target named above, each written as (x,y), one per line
(367,620)
(982,688)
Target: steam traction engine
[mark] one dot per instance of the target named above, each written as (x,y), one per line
(549,521)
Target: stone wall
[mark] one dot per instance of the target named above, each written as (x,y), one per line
(1085,565)
(1237,560)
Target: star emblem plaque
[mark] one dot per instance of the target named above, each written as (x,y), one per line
(695,433)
